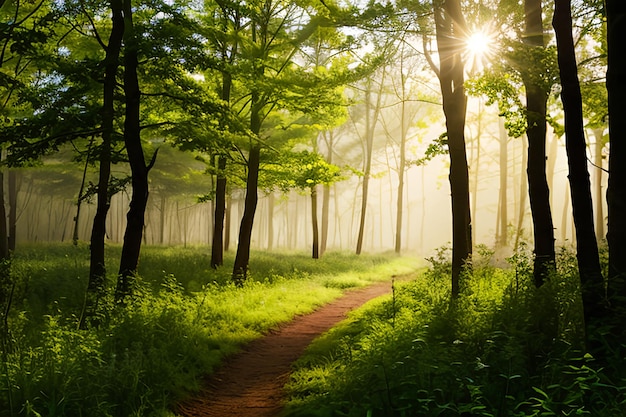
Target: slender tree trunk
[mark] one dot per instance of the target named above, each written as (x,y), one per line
(523,192)
(371,120)
(4,238)
(79,199)
(270,221)
(316,240)
(97,268)
(616,190)
(13,190)
(135,218)
(502,241)
(242,258)
(217,248)
(597,182)
(326,195)
(162,209)
(450,27)
(227,217)
(401,169)
(325,214)
(592,282)
(370,125)
(538,191)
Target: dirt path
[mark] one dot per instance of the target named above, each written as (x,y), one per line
(251,383)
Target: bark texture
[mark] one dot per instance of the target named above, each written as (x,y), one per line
(616,191)
(580,185)
(97,268)
(242,258)
(450,26)
(538,191)
(314,224)
(217,247)
(139,170)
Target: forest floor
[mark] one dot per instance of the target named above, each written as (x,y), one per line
(250,384)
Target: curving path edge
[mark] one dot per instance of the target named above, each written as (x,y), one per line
(250,384)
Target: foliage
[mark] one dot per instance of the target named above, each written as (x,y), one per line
(503,90)
(185,317)
(302,170)
(502,348)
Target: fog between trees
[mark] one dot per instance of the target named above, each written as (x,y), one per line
(234,83)
(46,199)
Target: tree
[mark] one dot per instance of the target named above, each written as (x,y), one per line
(305,171)
(616,191)
(138,166)
(450,27)
(580,187)
(537,83)
(97,270)
(277,85)
(372,113)
(166,43)
(24,29)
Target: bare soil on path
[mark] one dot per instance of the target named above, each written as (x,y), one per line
(250,384)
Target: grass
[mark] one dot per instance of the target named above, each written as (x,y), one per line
(185,318)
(502,348)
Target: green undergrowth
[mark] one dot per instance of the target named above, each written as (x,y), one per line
(184,318)
(502,348)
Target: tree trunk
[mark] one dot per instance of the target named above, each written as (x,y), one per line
(538,192)
(523,192)
(270,221)
(616,190)
(592,283)
(450,27)
(370,126)
(242,258)
(227,217)
(135,217)
(329,139)
(217,248)
(79,199)
(371,120)
(597,182)
(4,238)
(401,169)
(97,268)
(13,189)
(316,240)
(502,234)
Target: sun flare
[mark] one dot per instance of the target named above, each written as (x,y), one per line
(478,45)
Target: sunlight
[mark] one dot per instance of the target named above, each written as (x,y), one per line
(479,46)
(478,43)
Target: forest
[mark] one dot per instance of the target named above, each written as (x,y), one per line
(179,178)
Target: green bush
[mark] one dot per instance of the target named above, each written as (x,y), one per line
(184,318)
(502,348)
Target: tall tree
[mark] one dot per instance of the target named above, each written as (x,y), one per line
(372,112)
(616,191)
(227,21)
(276,83)
(450,28)
(537,90)
(97,269)
(139,169)
(580,185)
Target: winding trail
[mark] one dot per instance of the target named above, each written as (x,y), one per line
(250,384)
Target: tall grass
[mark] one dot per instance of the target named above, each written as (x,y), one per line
(184,319)
(502,348)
